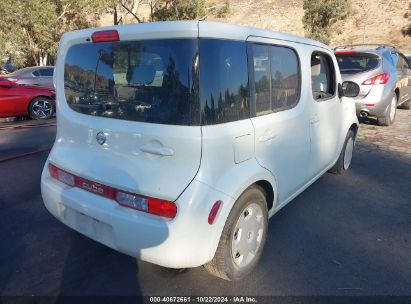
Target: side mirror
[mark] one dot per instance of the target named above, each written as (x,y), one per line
(350,89)
(4,83)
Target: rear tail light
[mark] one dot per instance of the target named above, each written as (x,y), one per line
(12,79)
(105,36)
(379,79)
(62,176)
(127,199)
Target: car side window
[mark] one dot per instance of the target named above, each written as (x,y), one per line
(36,73)
(285,78)
(224,81)
(276,78)
(403,63)
(46,72)
(387,56)
(262,79)
(323,82)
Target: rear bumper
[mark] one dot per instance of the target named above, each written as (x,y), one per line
(185,241)
(375,103)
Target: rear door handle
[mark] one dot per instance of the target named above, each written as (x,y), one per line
(162,151)
(267,137)
(314,120)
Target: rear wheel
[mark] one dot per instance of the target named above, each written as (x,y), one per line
(41,108)
(405,105)
(345,158)
(243,237)
(389,115)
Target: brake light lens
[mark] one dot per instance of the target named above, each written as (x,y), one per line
(345,53)
(379,79)
(105,36)
(127,199)
(132,201)
(61,175)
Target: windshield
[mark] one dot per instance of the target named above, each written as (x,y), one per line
(151,81)
(357,63)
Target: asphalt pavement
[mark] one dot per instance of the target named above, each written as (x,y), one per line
(344,235)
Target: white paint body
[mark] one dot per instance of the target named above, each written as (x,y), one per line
(289,149)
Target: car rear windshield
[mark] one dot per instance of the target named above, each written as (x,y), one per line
(357,63)
(152,81)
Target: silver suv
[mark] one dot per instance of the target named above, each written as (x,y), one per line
(384,76)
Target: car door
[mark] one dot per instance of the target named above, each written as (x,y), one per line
(325,118)
(46,77)
(404,73)
(280,119)
(8,99)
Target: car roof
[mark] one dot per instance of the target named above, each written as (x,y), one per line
(377,49)
(28,70)
(188,29)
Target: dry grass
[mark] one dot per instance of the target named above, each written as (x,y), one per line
(372,21)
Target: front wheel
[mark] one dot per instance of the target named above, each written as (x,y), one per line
(345,158)
(41,108)
(243,237)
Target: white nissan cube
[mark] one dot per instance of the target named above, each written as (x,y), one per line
(177,141)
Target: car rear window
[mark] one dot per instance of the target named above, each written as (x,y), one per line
(152,81)
(357,63)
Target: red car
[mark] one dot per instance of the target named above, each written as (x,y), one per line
(23,100)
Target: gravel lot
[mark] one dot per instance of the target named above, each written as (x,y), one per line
(344,235)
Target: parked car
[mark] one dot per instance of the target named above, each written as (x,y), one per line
(23,100)
(384,76)
(178,140)
(8,67)
(40,76)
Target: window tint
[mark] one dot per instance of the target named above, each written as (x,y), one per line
(277,79)
(224,81)
(285,77)
(262,78)
(358,63)
(322,76)
(388,57)
(402,62)
(46,72)
(394,56)
(150,81)
(36,73)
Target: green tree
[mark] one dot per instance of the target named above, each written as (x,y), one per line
(178,10)
(321,15)
(32,29)
(168,10)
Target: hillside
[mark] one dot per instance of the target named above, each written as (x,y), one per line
(371,21)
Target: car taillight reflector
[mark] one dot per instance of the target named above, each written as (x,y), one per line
(214,211)
(379,79)
(127,199)
(105,36)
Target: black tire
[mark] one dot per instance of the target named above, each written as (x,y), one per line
(339,167)
(41,108)
(386,119)
(223,264)
(406,105)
